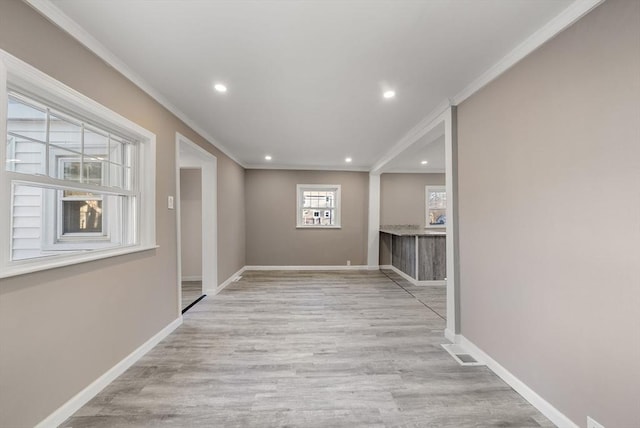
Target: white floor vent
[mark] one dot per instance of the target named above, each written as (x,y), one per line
(461,355)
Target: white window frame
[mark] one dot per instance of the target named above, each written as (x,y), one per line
(431,189)
(300,188)
(60,236)
(15,73)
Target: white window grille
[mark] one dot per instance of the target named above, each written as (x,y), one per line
(318,205)
(78,182)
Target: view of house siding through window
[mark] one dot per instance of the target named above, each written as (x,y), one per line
(318,207)
(436,206)
(75,182)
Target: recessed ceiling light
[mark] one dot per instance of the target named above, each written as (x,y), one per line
(348,160)
(267,157)
(424,162)
(220,87)
(389,94)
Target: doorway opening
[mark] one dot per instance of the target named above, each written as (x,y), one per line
(432,145)
(191,236)
(196,205)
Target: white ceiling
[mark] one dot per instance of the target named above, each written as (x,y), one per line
(305,77)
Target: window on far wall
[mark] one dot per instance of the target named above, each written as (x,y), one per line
(78,178)
(436,206)
(318,205)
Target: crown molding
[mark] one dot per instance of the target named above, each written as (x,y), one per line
(417,132)
(416,171)
(62,20)
(308,167)
(559,23)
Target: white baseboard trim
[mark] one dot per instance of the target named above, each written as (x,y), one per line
(402,274)
(450,335)
(192,278)
(546,408)
(318,268)
(235,276)
(432,283)
(231,279)
(412,280)
(80,399)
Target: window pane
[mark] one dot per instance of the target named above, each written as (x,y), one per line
(25,156)
(327,218)
(26,137)
(71,171)
(93,172)
(320,217)
(437,207)
(330,198)
(92,175)
(318,206)
(437,217)
(96,143)
(26,120)
(45,223)
(64,164)
(319,199)
(322,199)
(116,176)
(64,133)
(116,150)
(26,211)
(81,217)
(437,200)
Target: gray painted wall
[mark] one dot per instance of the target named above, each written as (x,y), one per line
(402,197)
(549,194)
(63,328)
(191,222)
(272,237)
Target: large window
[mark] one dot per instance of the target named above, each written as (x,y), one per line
(78,178)
(318,205)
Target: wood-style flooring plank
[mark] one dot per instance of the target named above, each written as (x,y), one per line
(308,349)
(191,291)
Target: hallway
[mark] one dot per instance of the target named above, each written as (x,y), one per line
(312,349)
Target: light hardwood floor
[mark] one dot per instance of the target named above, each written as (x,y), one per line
(307,349)
(432,297)
(191,291)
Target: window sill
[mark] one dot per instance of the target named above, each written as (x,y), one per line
(29,266)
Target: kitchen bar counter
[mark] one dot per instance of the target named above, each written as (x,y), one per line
(418,255)
(409,231)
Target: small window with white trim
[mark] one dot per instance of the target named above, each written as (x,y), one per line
(78,178)
(436,206)
(318,205)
